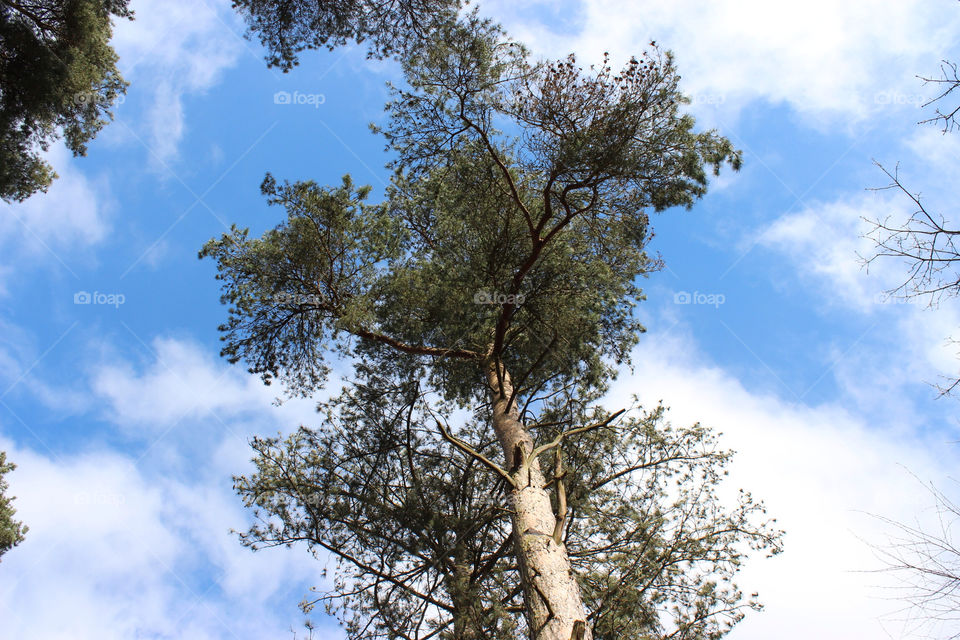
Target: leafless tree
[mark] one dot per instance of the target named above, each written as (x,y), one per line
(926,560)
(926,241)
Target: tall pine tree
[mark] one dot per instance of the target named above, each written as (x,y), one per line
(497,278)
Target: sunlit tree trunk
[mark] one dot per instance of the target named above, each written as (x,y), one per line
(551,594)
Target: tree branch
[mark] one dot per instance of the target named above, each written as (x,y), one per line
(463,446)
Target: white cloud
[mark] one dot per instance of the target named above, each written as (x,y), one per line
(823,58)
(936,150)
(138,543)
(817,468)
(903,343)
(55,229)
(183,384)
(165,119)
(174,48)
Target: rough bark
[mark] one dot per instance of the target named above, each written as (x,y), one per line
(551,594)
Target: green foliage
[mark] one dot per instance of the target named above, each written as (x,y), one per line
(11,531)
(58,77)
(655,548)
(417,528)
(288,27)
(304,281)
(482,212)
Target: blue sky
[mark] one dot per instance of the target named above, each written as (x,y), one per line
(127,427)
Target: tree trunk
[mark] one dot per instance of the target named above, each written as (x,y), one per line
(551,594)
(468,619)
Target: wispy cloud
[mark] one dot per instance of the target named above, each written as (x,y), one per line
(175,48)
(179,383)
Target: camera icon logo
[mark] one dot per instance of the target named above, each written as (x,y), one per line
(82,297)
(281,97)
(681,297)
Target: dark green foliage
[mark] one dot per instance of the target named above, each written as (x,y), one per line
(11,531)
(58,77)
(288,27)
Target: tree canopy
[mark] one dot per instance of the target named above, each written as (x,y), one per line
(58,77)
(288,27)
(555,211)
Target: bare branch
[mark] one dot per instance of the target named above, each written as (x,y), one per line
(470,451)
(572,432)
